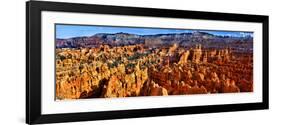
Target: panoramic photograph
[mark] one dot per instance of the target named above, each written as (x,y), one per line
(94,61)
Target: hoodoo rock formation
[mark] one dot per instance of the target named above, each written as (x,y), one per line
(184,57)
(196,54)
(146,68)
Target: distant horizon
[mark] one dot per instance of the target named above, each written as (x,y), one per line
(66,31)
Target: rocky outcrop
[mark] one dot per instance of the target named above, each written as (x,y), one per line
(205,57)
(113,88)
(196,54)
(156,90)
(230,87)
(137,70)
(184,58)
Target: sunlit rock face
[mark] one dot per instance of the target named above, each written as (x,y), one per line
(184,57)
(106,71)
(113,88)
(156,90)
(196,54)
(172,49)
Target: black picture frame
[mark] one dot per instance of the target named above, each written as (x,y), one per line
(33,61)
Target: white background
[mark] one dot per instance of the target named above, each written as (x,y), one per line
(12,71)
